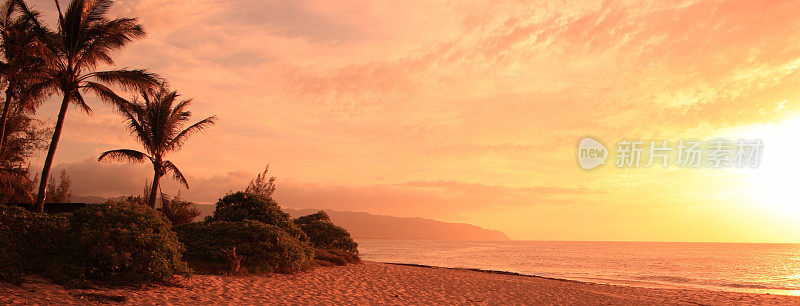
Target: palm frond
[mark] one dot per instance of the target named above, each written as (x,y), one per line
(177,115)
(179,139)
(105,37)
(132,114)
(6,11)
(80,103)
(41,31)
(176,174)
(97,10)
(32,95)
(71,26)
(124,155)
(128,79)
(107,95)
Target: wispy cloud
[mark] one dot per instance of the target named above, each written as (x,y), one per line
(468,96)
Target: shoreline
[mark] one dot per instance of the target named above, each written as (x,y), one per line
(380,283)
(501,272)
(613,282)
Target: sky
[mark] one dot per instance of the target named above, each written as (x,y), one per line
(471,111)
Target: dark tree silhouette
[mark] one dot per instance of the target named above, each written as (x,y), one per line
(25,137)
(157,124)
(263,184)
(20,65)
(61,192)
(83,39)
(178,211)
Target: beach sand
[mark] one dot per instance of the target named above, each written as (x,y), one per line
(379,283)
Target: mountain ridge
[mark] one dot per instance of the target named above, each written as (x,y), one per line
(364,225)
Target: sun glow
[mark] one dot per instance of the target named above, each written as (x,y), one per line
(774,184)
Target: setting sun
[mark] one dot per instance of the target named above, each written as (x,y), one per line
(773,184)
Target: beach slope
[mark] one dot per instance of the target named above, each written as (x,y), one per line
(371,283)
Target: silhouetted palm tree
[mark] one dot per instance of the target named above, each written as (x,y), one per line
(84,39)
(157,124)
(19,66)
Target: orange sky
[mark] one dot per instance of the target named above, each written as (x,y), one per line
(470,111)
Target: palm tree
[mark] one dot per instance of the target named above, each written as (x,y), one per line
(84,39)
(157,124)
(19,66)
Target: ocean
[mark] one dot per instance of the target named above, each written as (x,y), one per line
(747,267)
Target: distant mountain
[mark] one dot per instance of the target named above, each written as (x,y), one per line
(205,211)
(368,226)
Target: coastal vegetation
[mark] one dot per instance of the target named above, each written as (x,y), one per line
(143,238)
(241,206)
(32,243)
(157,123)
(124,243)
(177,210)
(214,246)
(325,235)
(83,40)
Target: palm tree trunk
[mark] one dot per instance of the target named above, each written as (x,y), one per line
(154,189)
(51,152)
(4,117)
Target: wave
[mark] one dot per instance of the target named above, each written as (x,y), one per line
(700,282)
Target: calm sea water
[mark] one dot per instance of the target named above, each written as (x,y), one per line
(763,268)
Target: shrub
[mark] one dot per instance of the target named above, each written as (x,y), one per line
(242,206)
(124,243)
(263,184)
(61,193)
(264,247)
(178,211)
(323,234)
(30,243)
(13,249)
(335,257)
(318,216)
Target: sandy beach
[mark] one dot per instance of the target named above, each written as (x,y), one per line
(379,283)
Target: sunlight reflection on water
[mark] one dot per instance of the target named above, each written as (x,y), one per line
(763,268)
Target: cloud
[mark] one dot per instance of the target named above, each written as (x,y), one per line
(439,198)
(471,188)
(425,107)
(90,177)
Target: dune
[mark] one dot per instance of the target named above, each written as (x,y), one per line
(378,283)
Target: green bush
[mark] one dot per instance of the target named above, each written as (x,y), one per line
(242,206)
(265,248)
(30,243)
(323,234)
(178,211)
(330,257)
(318,216)
(13,250)
(124,243)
